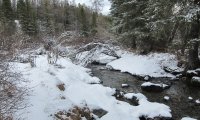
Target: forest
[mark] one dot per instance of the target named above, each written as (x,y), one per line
(66,60)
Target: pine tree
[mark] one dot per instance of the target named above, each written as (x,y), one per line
(66,15)
(7,17)
(48,20)
(129,21)
(94,23)
(27,17)
(84,27)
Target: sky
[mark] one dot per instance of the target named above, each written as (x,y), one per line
(106,7)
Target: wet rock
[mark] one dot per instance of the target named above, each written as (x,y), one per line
(151,87)
(118,94)
(99,112)
(134,100)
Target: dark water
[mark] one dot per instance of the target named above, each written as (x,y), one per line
(178,92)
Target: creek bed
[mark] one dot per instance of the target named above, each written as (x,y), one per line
(178,92)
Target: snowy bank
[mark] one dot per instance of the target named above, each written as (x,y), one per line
(143,65)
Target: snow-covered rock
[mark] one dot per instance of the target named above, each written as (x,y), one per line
(152,87)
(166,98)
(195,81)
(197,101)
(146,78)
(190,98)
(191,73)
(151,65)
(125,85)
(188,118)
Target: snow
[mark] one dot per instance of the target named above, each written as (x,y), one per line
(46,99)
(139,96)
(188,118)
(144,65)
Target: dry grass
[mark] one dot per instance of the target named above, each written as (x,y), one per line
(75,113)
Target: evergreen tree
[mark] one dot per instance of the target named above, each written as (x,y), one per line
(94,23)
(48,20)
(7,17)
(84,27)
(27,17)
(145,24)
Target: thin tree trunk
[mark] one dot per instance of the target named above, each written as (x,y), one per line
(172,35)
(193,59)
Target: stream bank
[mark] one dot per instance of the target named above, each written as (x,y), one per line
(178,93)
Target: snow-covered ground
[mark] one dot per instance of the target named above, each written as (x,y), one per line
(143,65)
(46,98)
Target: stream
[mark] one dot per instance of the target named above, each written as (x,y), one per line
(179,92)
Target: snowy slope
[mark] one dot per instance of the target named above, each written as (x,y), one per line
(46,99)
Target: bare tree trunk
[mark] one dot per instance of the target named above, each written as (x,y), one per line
(193,59)
(171,37)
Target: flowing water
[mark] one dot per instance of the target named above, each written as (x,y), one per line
(178,92)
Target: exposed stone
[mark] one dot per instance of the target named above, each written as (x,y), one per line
(99,112)
(61,87)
